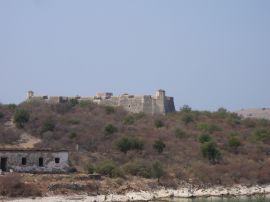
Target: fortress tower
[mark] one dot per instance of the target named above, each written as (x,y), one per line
(30,94)
(157,104)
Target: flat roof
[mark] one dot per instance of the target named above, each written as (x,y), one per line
(32,150)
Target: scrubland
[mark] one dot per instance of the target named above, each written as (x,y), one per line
(198,147)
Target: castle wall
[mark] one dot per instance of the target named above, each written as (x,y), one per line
(169,106)
(147,104)
(158,104)
(112,101)
(131,103)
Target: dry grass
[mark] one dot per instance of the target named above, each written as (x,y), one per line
(85,125)
(12,185)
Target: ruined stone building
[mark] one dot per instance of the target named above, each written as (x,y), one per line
(157,104)
(34,160)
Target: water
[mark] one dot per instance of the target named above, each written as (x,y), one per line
(258,198)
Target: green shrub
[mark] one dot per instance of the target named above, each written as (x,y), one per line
(187,118)
(72,135)
(107,168)
(185,108)
(110,129)
(21,117)
(261,134)
(48,125)
(159,123)
(234,142)
(204,138)
(131,118)
(12,106)
(213,128)
(264,122)
(73,102)
(234,119)
(250,123)
(222,112)
(109,109)
(157,170)
(86,103)
(139,168)
(159,145)
(139,115)
(210,151)
(179,133)
(90,169)
(204,127)
(125,144)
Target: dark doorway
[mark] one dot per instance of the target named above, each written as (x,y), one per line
(57,160)
(40,162)
(24,161)
(4,164)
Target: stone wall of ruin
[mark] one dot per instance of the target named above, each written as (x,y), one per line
(14,161)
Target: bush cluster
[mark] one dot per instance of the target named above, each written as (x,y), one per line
(210,128)
(108,168)
(48,125)
(132,118)
(204,138)
(159,123)
(179,133)
(110,129)
(211,152)
(159,145)
(125,144)
(262,134)
(21,117)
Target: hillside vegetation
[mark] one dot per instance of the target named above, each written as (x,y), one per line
(194,146)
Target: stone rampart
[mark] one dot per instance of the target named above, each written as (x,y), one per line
(157,104)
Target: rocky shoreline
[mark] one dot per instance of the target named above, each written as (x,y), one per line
(184,192)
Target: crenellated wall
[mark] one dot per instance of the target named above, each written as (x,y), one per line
(157,104)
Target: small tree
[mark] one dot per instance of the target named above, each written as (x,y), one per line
(204,138)
(110,129)
(185,108)
(234,142)
(125,144)
(157,170)
(49,125)
(21,117)
(159,145)
(73,102)
(211,152)
(159,123)
(179,133)
(107,167)
(187,118)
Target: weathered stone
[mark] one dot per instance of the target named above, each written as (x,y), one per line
(34,160)
(158,104)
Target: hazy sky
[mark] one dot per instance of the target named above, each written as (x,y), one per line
(206,54)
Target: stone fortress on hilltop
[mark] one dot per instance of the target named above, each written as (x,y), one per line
(157,104)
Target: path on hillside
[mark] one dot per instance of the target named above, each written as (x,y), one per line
(26,140)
